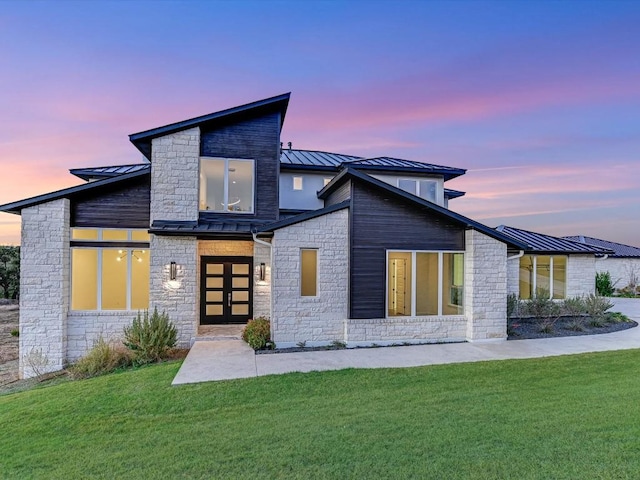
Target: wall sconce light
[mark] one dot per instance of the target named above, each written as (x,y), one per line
(173,270)
(263,271)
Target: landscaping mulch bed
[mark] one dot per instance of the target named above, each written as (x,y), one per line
(528,328)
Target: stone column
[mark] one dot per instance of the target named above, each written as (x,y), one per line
(44,287)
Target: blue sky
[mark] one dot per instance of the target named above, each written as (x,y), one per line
(539,101)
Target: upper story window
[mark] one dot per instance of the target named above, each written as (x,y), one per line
(226,185)
(326,181)
(426,189)
(297,183)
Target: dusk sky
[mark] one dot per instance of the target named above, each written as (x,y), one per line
(539,101)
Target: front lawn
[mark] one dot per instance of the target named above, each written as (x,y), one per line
(565,417)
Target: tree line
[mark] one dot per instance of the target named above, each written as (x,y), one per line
(9,272)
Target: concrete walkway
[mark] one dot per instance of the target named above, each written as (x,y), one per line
(230,359)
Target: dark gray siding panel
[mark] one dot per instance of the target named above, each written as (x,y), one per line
(341,194)
(381,222)
(257,139)
(124,207)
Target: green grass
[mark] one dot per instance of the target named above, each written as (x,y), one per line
(573,417)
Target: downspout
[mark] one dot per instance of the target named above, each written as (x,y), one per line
(267,244)
(519,255)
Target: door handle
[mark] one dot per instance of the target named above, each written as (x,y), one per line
(229,299)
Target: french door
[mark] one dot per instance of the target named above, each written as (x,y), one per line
(226,290)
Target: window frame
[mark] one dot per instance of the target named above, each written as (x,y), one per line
(295,180)
(127,247)
(417,191)
(225,210)
(317,271)
(441,286)
(534,276)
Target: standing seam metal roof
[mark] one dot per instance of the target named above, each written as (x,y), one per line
(539,242)
(620,250)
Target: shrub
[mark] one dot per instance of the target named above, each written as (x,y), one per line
(574,307)
(540,306)
(577,324)
(257,334)
(597,306)
(604,286)
(15,332)
(103,358)
(514,305)
(617,317)
(150,338)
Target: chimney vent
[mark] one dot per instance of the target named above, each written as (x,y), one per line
(290,144)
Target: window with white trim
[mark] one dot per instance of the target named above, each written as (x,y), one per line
(421,283)
(543,275)
(226,185)
(105,277)
(297,183)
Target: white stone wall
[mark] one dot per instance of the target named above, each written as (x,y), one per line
(311,319)
(405,329)
(84,328)
(261,288)
(620,269)
(44,287)
(513,276)
(581,275)
(177,298)
(175,174)
(485,287)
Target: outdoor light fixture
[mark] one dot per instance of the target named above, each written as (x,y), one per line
(263,271)
(173,271)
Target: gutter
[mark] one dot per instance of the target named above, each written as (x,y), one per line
(519,255)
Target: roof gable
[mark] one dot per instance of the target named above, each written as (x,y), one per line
(16,207)
(353,174)
(142,140)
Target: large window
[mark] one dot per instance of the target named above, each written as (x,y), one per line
(113,275)
(425,283)
(543,274)
(226,185)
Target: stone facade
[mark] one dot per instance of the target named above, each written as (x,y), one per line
(175,174)
(392,330)
(178,298)
(319,319)
(581,275)
(485,287)
(44,287)
(84,328)
(622,270)
(261,288)
(513,276)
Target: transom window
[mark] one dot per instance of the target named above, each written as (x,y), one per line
(427,189)
(543,275)
(226,185)
(113,275)
(425,283)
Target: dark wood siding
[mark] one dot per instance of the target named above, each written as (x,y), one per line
(125,206)
(380,222)
(257,139)
(342,193)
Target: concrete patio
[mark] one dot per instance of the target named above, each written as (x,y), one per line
(229,358)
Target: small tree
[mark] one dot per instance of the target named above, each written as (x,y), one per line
(10,272)
(604,286)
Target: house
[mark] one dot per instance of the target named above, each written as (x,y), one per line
(560,267)
(623,263)
(222,224)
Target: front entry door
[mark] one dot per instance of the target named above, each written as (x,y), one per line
(226,290)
